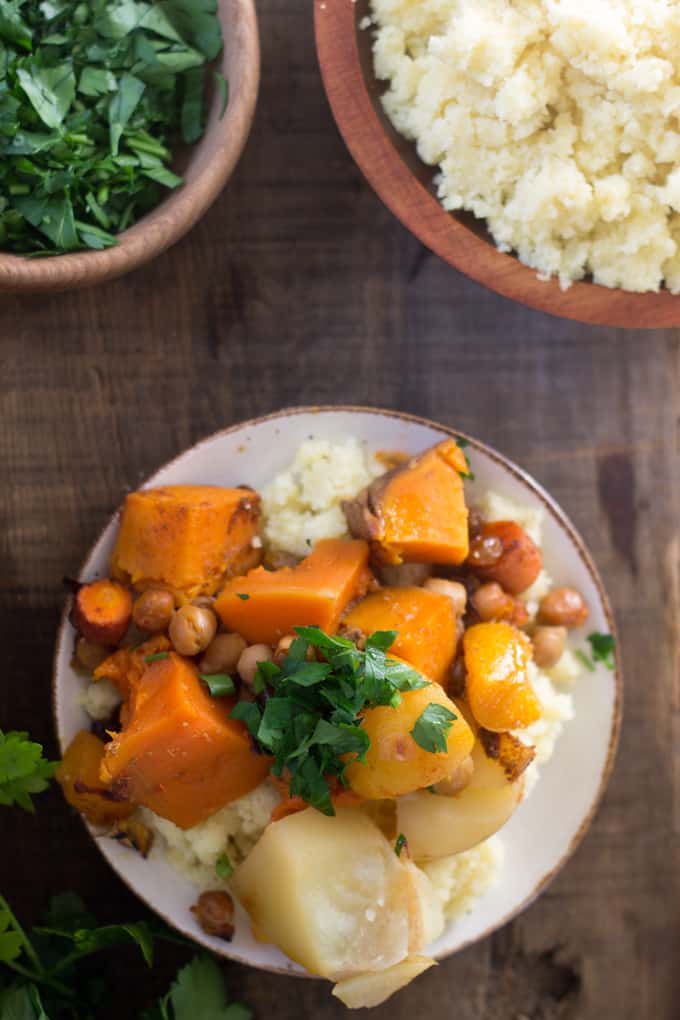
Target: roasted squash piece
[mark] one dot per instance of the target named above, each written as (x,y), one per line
(78,776)
(265,605)
(179,753)
(395,764)
(497,687)
(425,623)
(417,511)
(186,538)
(125,667)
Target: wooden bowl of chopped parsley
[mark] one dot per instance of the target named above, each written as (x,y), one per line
(120,123)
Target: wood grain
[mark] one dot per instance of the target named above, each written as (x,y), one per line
(300,287)
(208,167)
(404,183)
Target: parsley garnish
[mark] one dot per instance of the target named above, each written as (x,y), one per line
(156,657)
(219,684)
(242,596)
(23,770)
(92,98)
(469,474)
(432,728)
(310,720)
(400,844)
(223,866)
(46,975)
(602,650)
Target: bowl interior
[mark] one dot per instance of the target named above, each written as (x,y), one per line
(546,828)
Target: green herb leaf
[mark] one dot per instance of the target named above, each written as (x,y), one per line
(242,596)
(21,1002)
(247,712)
(223,92)
(199,991)
(219,684)
(432,728)
(156,657)
(23,770)
(400,844)
(603,649)
(51,90)
(223,866)
(585,660)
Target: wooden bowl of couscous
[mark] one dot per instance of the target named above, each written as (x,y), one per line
(568,208)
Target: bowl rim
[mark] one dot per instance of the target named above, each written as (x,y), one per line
(179,210)
(336,25)
(560,517)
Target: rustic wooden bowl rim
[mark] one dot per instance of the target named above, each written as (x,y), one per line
(552,508)
(336,28)
(211,162)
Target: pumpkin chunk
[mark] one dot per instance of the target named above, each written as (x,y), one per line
(498,689)
(179,753)
(186,538)
(417,512)
(78,776)
(425,623)
(265,605)
(125,667)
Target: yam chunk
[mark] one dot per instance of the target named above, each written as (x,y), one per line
(179,753)
(78,776)
(425,623)
(417,511)
(332,894)
(186,538)
(395,764)
(497,688)
(265,605)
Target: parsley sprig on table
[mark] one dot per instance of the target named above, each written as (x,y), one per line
(311,712)
(23,769)
(92,96)
(48,975)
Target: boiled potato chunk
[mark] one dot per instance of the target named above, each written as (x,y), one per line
(332,894)
(395,764)
(438,826)
(366,990)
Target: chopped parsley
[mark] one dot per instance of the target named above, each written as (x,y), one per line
(469,474)
(223,866)
(432,728)
(310,721)
(400,844)
(602,650)
(243,597)
(218,684)
(156,657)
(93,98)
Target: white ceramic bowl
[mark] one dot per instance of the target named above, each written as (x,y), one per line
(546,829)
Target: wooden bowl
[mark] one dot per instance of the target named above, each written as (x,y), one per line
(209,165)
(546,829)
(404,183)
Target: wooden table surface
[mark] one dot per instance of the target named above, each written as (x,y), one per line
(298,287)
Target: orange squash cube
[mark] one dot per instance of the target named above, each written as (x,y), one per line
(265,605)
(425,623)
(78,776)
(416,513)
(179,753)
(186,538)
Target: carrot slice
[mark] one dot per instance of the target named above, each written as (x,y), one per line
(102,611)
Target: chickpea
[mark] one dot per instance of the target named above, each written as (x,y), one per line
(548,645)
(458,779)
(89,655)
(453,590)
(222,654)
(153,610)
(485,551)
(204,601)
(192,629)
(247,663)
(563,607)
(492,603)
(214,912)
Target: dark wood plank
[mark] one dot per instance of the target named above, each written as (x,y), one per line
(299,288)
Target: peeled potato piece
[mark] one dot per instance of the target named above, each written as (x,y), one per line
(332,894)
(366,990)
(438,826)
